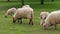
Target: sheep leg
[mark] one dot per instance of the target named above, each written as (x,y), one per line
(14,20)
(20,20)
(31,21)
(55,26)
(11,14)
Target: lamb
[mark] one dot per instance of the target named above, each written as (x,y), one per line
(10,12)
(24,12)
(43,16)
(52,19)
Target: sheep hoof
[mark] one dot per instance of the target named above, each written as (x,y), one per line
(18,21)
(54,28)
(13,21)
(5,16)
(21,23)
(45,28)
(32,24)
(29,22)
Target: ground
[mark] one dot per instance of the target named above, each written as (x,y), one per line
(8,27)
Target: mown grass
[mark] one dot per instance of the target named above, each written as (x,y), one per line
(7,26)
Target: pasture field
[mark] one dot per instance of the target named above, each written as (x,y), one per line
(7,26)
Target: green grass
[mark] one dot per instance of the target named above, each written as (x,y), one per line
(7,26)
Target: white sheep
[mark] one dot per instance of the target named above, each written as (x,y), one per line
(24,12)
(52,19)
(43,16)
(10,12)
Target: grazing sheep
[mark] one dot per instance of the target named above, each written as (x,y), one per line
(10,12)
(43,16)
(24,12)
(52,19)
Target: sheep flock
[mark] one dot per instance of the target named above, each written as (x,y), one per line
(26,12)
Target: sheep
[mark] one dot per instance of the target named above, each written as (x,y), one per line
(10,12)
(24,13)
(52,19)
(43,16)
